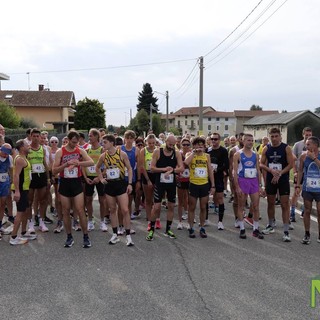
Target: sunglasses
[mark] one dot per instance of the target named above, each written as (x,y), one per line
(186,145)
(215,139)
(53,141)
(139,144)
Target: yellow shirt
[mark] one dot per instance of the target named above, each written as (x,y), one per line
(199,169)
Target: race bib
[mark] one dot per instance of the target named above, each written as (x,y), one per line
(275,166)
(185,173)
(214,166)
(70,173)
(313,183)
(200,172)
(148,165)
(166,179)
(250,172)
(3,177)
(113,173)
(38,168)
(92,169)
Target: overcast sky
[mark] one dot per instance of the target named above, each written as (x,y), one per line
(277,67)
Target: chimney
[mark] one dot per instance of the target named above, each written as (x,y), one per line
(41,87)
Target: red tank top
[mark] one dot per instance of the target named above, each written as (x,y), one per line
(75,172)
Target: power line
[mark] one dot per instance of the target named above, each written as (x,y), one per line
(247,36)
(243,32)
(229,35)
(110,67)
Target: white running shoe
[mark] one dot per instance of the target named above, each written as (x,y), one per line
(236,224)
(179,226)
(29,236)
(185,216)
(17,241)
(114,239)
(59,227)
(121,231)
(129,241)
(286,237)
(103,227)
(90,225)
(7,230)
(42,228)
(132,231)
(220,225)
(291,227)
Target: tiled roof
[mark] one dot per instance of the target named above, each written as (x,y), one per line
(170,116)
(38,98)
(253,113)
(219,114)
(188,111)
(281,118)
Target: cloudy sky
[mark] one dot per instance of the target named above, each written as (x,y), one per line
(107,50)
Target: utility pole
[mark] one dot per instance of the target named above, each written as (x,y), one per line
(130,114)
(201,97)
(150,116)
(167,111)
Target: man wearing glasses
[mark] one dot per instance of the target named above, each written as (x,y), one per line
(220,167)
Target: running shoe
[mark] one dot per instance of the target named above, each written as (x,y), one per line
(29,236)
(305,240)
(43,228)
(231,199)
(243,234)
(220,225)
(293,219)
(158,224)
(17,241)
(185,216)
(192,234)
(76,225)
(203,233)
(121,231)
(69,242)
(114,239)
(86,242)
(286,237)
(236,224)
(179,226)
(318,240)
(149,226)
(90,225)
(47,220)
(59,227)
(268,230)
(291,227)
(7,230)
(170,234)
(132,231)
(103,226)
(249,221)
(129,241)
(132,216)
(257,234)
(149,237)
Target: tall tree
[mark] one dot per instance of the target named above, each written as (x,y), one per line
(255,107)
(8,116)
(146,99)
(317,110)
(89,114)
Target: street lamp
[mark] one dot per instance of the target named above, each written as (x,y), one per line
(167,108)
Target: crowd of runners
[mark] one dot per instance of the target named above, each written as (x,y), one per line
(131,173)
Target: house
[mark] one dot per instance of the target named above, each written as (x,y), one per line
(243,116)
(289,123)
(48,109)
(223,123)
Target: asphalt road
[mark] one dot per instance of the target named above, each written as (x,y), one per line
(221,277)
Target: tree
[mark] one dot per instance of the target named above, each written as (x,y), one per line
(89,114)
(157,127)
(28,123)
(146,99)
(284,111)
(8,116)
(110,128)
(142,122)
(317,110)
(255,107)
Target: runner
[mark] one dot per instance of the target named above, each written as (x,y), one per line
(116,188)
(68,163)
(276,161)
(166,162)
(247,179)
(309,170)
(201,183)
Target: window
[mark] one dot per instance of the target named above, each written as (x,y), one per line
(186,122)
(178,123)
(192,124)
(226,119)
(198,122)
(217,128)
(186,117)
(217,119)
(226,127)
(209,119)
(209,127)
